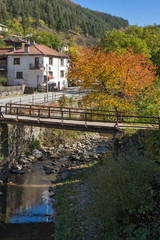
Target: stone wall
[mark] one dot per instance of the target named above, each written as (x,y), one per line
(15,143)
(19,137)
(12,90)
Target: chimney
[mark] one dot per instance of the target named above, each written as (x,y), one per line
(26,48)
(32,42)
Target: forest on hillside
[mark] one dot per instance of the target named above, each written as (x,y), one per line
(60,15)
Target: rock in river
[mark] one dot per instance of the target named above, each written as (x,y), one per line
(36,153)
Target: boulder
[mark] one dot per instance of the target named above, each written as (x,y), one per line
(50,171)
(31,158)
(37,154)
(51,148)
(22,161)
(51,194)
(16,166)
(74,158)
(14,171)
(45,167)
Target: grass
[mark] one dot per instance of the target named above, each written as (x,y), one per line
(53,137)
(116,199)
(69,222)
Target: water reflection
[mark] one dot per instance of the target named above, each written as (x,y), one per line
(25,207)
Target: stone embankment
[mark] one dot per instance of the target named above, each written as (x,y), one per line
(66,158)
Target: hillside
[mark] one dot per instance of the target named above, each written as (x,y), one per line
(61,16)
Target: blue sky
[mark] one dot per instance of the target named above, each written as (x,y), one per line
(137,12)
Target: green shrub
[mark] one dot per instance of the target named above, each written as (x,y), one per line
(71,101)
(35,144)
(125,198)
(63,101)
(3,80)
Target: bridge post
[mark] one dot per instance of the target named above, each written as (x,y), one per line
(69,113)
(4,139)
(30,110)
(49,112)
(6,106)
(10,108)
(86,120)
(1,114)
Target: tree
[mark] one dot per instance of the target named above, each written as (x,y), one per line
(2,43)
(48,39)
(114,79)
(151,36)
(118,40)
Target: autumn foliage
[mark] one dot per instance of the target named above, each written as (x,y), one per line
(112,79)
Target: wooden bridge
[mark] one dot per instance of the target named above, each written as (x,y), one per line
(73,118)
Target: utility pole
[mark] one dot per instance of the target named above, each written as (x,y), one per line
(47,77)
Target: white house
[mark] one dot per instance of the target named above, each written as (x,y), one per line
(3,28)
(36,64)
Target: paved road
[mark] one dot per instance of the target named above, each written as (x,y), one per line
(40,98)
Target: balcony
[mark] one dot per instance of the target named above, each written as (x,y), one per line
(35,66)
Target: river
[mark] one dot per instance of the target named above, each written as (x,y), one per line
(25,206)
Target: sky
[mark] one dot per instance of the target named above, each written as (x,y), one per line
(137,12)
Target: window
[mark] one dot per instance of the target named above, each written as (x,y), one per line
(50,61)
(51,73)
(19,75)
(16,61)
(62,61)
(62,73)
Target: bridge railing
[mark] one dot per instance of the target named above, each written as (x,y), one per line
(76,114)
(67,113)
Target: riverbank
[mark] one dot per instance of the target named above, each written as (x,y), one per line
(116,197)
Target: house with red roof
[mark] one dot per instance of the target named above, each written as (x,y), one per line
(3,28)
(3,61)
(36,64)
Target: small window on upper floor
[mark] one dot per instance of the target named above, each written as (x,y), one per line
(16,61)
(50,61)
(62,74)
(19,75)
(62,61)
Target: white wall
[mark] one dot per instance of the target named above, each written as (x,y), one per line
(56,68)
(32,77)
(3,29)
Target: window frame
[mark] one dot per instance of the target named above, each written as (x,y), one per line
(62,61)
(15,62)
(62,73)
(50,59)
(21,75)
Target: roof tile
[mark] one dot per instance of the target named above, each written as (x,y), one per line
(38,49)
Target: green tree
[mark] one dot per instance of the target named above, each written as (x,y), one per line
(2,43)
(48,39)
(118,40)
(151,36)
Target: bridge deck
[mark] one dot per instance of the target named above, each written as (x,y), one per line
(59,123)
(73,118)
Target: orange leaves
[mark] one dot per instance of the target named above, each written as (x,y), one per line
(112,78)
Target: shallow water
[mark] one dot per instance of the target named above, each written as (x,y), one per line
(25,206)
